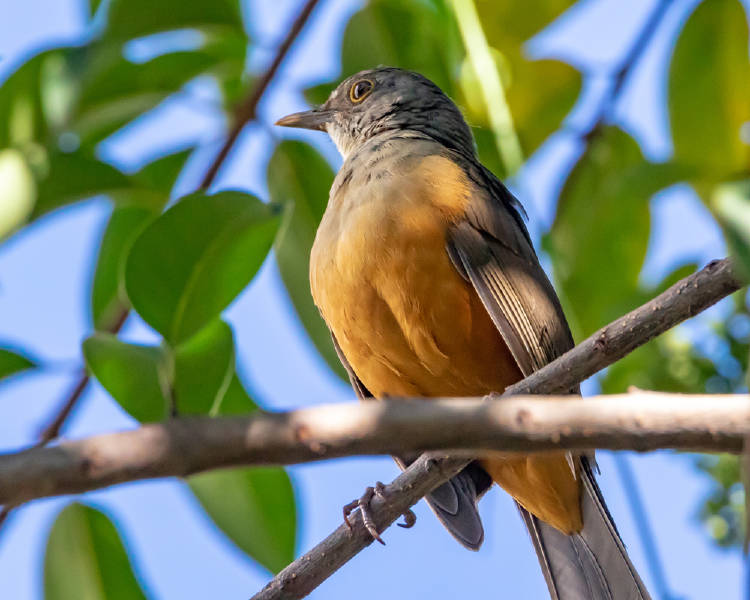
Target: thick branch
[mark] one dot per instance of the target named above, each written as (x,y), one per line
(640,421)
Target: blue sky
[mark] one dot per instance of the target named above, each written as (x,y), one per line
(44,279)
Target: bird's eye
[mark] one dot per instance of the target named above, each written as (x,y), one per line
(360,90)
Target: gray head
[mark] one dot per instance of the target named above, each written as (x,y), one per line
(386,99)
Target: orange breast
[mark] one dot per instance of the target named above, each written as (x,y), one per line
(405,319)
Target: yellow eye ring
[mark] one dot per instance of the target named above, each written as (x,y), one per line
(360,90)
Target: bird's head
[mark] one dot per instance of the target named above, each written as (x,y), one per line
(385,99)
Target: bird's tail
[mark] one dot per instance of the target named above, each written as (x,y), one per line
(591,564)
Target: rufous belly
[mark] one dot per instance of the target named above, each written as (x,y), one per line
(410,325)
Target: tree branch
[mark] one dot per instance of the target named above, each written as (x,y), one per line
(683,300)
(686,298)
(457,426)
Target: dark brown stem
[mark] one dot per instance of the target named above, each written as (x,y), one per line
(246,111)
(52,429)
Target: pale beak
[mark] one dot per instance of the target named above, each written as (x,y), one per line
(310,119)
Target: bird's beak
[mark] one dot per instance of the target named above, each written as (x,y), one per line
(310,119)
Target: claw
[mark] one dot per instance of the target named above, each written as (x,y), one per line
(409,519)
(363,504)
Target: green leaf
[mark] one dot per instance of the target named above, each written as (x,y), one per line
(540,92)
(162,173)
(37,97)
(93,6)
(299,179)
(108,297)
(236,400)
(17,190)
(85,559)
(509,24)
(709,89)
(600,235)
(136,18)
(731,203)
(540,96)
(203,370)
(254,508)
(136,376)
(189,264)
(116,91)
(74,177)
(419,36)
(13,362)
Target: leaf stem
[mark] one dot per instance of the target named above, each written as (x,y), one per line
(490,84)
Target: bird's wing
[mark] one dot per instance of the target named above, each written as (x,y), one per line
(491,248)
(454,502)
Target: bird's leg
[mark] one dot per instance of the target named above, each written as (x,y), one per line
(363,503)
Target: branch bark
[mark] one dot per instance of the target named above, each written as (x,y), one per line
(456,426)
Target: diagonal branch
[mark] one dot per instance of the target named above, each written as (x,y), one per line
(683,300)
(246,111)
(627,65)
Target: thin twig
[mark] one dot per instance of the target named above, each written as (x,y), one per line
(246,111)
(52,429)
(627,65)
(643,526)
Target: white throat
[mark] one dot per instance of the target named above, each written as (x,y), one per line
(344,143)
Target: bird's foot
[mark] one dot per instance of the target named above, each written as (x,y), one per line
(363,504)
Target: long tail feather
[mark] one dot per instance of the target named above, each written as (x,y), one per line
(592,564)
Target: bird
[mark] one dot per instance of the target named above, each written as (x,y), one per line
(424,271)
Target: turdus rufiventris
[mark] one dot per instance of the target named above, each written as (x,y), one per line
(424,271)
